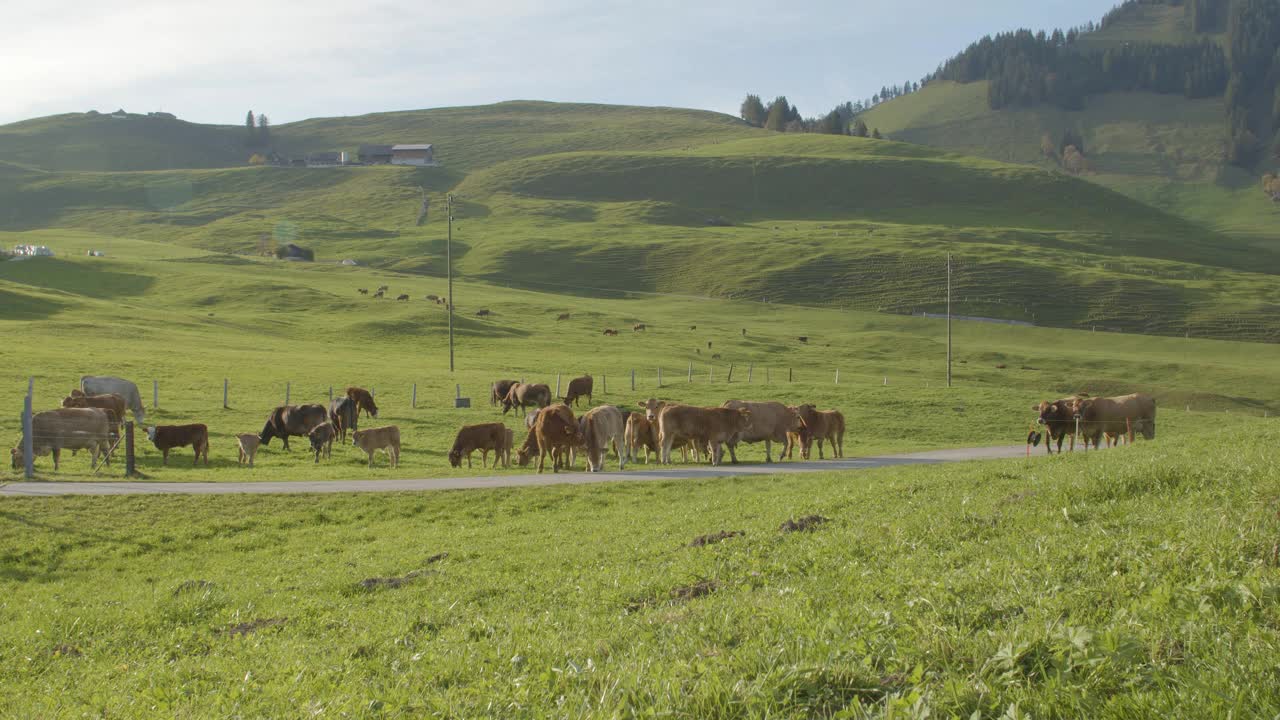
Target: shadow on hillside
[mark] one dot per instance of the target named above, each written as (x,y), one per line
(75,278)
(24,307)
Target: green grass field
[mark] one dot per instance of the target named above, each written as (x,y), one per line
(1138,582)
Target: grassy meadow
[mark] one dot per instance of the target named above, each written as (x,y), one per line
(190,319)
(1139,582)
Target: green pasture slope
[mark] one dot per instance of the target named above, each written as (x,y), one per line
(189,318)
(1135,583)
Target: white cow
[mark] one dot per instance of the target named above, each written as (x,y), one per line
(105,384)
(601,427)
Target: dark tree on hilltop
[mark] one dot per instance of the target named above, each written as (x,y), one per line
(753,111)
(859,129)
(264,130)
(250,135)
(779,114)
(830,124)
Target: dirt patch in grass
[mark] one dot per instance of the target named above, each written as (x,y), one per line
(65,650)
(683,593)
(377,583)
(248,628)
(804,524)
(713,538)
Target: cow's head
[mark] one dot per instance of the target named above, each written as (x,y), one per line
(795,423)
(151,433)
(268,431)
(70,402)
(356,436)
(455,458)
(651,408)
(1058,411)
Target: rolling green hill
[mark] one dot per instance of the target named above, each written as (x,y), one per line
(1164,150)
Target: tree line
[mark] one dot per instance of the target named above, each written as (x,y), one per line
(257,132)
(781,116)
(1025,68)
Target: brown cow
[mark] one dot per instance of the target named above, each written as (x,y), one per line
(363,400)
(820,426)
(610,332)
(288,420)
(563,316)
(403,296)
(556,433)
(485,437)
(499,389)
(379,293)
(168,437)
(112,403)
(386,439)
(483,312)
(578,388)
(601,427)
(344,415)
(248,447)
(1115,417)
(770,422)
(709,427)
(639,327)
(522,395)
(640,433)
(66,429)
(363,291)
(1058,418)
(322,437)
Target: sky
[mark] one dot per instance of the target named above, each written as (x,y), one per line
(213,61)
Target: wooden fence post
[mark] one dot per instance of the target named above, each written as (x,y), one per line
(225,385)
(690,371)
(604,380)
(789,376)
(130,467)
(633,380)
(413,403)
(837,376)
(766,376)
(711,373)
(659,377)
(557,384)
(28,433)
(730,378)
(155,394)
(330,393)
(287,387)
(750,369)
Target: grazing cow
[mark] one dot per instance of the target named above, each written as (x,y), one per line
(716,356)
(111,402)
(363,291)
(486,437)
(822,425)
(601,427)
(345,416)
(288,420)
(248,447)
(322,437)
(402,296)
(708,344)
(523,395)
(770,422)
(1058,418)
(563,316)
(693,327)
(168,437)
(386,439)
(705,427)
(530,446)
(483,312)
(1116,417)
(499,389)
(383,288)
(363,400)
(379,294)
(639,327)
(744,332)
(433,298)
(578,388)
(557,434)
(610,332)
(106,385)
(803,338)
(66,429)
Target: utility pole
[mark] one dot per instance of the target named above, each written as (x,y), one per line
(948,319)
(448,252)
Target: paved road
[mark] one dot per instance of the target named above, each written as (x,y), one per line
(37,489)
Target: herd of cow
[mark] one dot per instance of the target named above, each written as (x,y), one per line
(90,418)
(554,431)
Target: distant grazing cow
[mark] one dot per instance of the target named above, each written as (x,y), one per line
(610,332)
(483,312)
(499,389)
(563,316)
(433,298)
(770,422)
(379,294)
(601,428)
(708,344)
(288,420)
(715,356)
(345,416)
(111,402)
(1117,417)
(640,327)
(485,438)
(578,388)
(106,385)
(704,427)
(386,439)
(803,338)
(744,332)
(168,437)
(822,426)
(522,395)
(66,429)
(402,296)
(363,291)
(693,327)
(383,288)
(322,437)
(530,446)
(1058,418)
(248,443)
(363,400)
